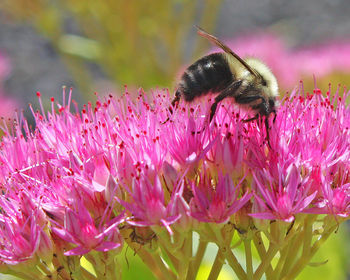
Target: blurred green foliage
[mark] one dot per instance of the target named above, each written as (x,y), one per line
(136,42)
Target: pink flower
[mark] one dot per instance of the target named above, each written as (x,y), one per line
(273,51)
(80,229)
(79,182)
(216,203)
(337,200)
(333,200)
(22,231)
(148,206)
(281,197)
(324,58)
(186,145)
(227,151)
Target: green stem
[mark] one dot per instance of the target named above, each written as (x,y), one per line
(266,262)
(166,272)
(235,265)
(113,268)
(44,268)
(53,272)
(259,245)
(276,234)
(214,233)
(187,253)
(180,256)
(294,241)
(217,266)
(295,245)
(281,262)
(175,262)
(305,259)
(59,261)
(308,223)
(99,265)
(195,263)
(22,275)
(74,267)
(155,265)
(90,259)
(248,258)
(87,275)
(175,244)
(224,243)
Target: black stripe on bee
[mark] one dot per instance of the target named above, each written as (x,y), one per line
(211,73)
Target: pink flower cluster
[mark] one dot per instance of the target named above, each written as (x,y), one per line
(75,182)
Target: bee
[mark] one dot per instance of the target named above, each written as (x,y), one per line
(248,81)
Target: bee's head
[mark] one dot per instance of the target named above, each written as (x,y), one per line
(265,83)
(264,77)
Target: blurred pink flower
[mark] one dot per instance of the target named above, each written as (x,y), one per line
(272,51)
(8,104)
(322,59)
(291,65)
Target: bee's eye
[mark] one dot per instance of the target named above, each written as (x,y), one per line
(263,82)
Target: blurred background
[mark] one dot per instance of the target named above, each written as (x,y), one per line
(100,46)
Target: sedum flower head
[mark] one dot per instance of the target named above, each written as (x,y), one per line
(86,183)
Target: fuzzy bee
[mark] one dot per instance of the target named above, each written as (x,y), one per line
(248,81)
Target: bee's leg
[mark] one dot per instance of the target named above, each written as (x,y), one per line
(175,101)
(229,91)
(174,104)
(215,104)
(218,98)
(251,119)
(167,119)
(275,115)
(267,130)
(256,117)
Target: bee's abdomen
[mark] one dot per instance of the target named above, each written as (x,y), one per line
(209,74)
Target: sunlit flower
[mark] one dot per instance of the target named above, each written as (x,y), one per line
(85,183)
(284,196)
(148,205)
(216,203)
(79,229)
(23,231)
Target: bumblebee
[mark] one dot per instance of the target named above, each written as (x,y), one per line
(248,81)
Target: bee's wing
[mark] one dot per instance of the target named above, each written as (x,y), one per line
(225,48)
